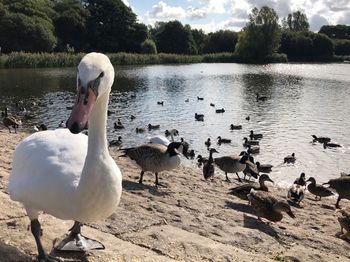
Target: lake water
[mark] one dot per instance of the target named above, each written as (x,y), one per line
(303,99)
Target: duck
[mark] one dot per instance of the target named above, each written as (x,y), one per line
(253,135)
(208,167)
(247,118)
(199,117)
(235,127)
(132,117)
(200,98)
(118,124)
(160,103)
(318,190)
(260,98)
(290,159)
(191,154)
(301,180)
(296,191)
(222,110)
(66,174)
(223,140)
(232,164)
(321,139)
(116,142)
(201,160)
(344,222)
(61,124)
(265,168)
(342,186)
(172,132)
(267,206)
(250,142)
(207,142)
(186,145)
(187,100)
(140,130)
(253,149)
(110,112)
(243,190)
(153,127)
(211,104)
(327,144)
(11,121)
(155,157)
(251,170)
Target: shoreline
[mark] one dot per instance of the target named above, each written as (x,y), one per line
(187,220)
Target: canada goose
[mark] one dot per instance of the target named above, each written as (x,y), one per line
(140,130)
(116,142)
(247,118)
(296,193)
(253,149)
(254,135)
(208,142)
(208,167)
(321,139)
(153,127)
(199,117)
(118,124)
(160,103)
(220,110)
(231,164)
(235,127)
(260,98)
(243,190)
(211,104)
(200,98)
(265,168)
(155,157)
(81,185)
(11,121)
(268,207)
(342,186)
(61,124)
(290,159)
(326,144)
(344,221)
(249,142)
(223,140)
(318,190)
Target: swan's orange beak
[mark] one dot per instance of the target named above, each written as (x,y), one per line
(81,111)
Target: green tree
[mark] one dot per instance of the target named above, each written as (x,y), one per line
(199,38)
(323,45)
(261,36)
(176,38)
(70,24)
(296,21)
(148,47)
(112,26)
(341,47)
(221,41)
(27,26)
(336,32)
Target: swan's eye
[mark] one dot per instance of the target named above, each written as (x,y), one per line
(101,75)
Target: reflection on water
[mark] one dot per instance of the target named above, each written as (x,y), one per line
(303,99)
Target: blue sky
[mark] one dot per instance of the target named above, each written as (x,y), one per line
(213,15)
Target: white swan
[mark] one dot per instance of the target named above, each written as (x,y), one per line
(162,140)
(66,174)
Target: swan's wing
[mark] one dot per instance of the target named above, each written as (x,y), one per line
(159,140)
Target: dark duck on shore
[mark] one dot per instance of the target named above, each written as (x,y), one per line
(318,190)
(208,168)
(11,121)
(243,190)
(296,191)
(342,186)
(268,207)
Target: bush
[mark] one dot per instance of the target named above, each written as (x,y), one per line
(148,47)
(342,47)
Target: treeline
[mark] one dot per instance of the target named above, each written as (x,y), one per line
(110,26)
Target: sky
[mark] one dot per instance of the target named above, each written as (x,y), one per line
(213,15)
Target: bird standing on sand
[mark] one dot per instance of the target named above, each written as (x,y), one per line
(342,186)
(11,121)
(344,221)
(208,168)
(318,190)
(231,164)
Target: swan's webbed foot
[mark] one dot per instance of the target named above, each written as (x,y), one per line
(75,241)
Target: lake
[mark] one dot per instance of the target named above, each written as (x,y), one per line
(303,99)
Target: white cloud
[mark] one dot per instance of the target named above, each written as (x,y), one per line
(215,6)
(196,13)
(344,19)
(316,21)
(162,10)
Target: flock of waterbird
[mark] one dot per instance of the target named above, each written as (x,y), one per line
(61,171)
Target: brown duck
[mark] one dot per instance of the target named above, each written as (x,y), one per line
(243,190)
(318,190)
(342,186)
(268,207)
(344,221)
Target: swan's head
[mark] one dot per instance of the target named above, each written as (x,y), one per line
(94,79)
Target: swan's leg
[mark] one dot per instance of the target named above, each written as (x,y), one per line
(141,177)
(75,241)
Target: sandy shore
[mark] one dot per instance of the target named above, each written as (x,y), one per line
(187,220)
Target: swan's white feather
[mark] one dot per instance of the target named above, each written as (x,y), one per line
(159,139)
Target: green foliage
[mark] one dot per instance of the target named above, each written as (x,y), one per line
(175,38)
(220,41)
(296,21)
(70,24)
(323,45)
(26,26)
(261,36)
(341,47)
(199,38)
(336,32)
(148,47)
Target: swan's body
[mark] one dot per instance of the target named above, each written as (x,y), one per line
(71,176)
(162,140)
